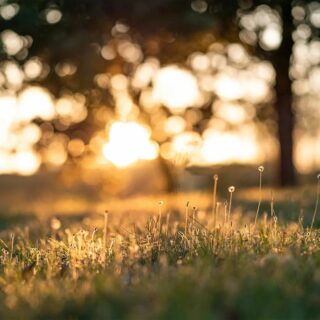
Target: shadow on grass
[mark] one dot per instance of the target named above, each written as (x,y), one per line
(15,219)
(73,218)
(286,211)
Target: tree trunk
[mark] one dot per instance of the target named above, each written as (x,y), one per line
(168,174)
(281,63)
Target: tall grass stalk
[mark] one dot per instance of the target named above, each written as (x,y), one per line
(317,202)
(301,218)
(272,213)
(225,213)
(160,204)
(231,190)
(194,211)
(12,246)
(105,229)
(218,208)
(167,223)
(214,200)
(186,219)
(260,169)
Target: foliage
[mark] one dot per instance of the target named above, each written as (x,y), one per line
(68,41)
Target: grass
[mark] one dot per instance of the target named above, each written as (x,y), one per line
(164,259)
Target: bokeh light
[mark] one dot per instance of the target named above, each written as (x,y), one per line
(128,143)
(176,88)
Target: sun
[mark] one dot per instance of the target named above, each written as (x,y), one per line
(128,143)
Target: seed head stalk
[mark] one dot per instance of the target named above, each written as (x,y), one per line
(160,203)
(214,200)
(168,221)
(105,229)
(186,220)
(194,211)
(218,204)
(12,246)
(225,213)
(231,190)
(260,169)
(272,212)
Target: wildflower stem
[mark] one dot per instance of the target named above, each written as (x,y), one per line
(214,200)
(260,169)
(105,229)
(186,220)
(260,198)
(231,190)
(317,203)
(230,204)
(168,221)
(160,217)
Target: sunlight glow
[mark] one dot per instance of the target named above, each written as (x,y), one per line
(128,143)
(8,11)
(307,153)
(233,112)
(315,17)
(228,87)
(35,102)
(33,68)
(176,88)
(271,37)
(14,75)
(215,146)
(228,147)
(26,162)
(175,125)
(183,147)
(19,133)
(53,16)
(12,42)
(240,85)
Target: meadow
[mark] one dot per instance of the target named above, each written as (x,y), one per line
(255,255)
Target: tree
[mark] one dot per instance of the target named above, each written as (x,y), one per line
(159,27)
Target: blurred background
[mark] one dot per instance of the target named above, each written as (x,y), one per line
(121,97)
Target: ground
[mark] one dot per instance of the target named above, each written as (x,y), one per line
(154,257)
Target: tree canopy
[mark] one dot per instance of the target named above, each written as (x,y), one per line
(69,38)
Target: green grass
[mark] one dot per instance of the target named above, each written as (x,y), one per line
(233,271)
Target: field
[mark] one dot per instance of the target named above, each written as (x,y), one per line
(164,257)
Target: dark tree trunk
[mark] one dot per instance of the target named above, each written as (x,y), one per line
(283,105)
(168,174)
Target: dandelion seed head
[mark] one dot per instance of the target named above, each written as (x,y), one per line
(55,224)
(215,177)
(261,169)
(231,189)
